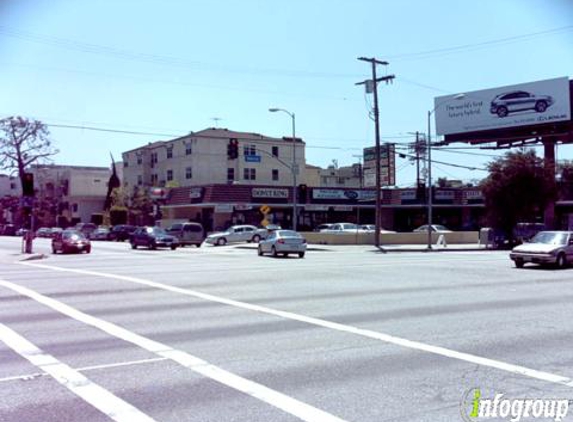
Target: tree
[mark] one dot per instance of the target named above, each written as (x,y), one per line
(517,189)
(23,142)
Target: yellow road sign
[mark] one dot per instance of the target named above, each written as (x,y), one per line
(265,209)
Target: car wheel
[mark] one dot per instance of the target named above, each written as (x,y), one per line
(256,238)
(221,242)
(540,106)
(561,261)
(274,251)
(198,245)
(88,250)
(54,250)
(260,250)
(173,247)
(301,254)
(152,245)
(502,111)
(519,263)
(133,245)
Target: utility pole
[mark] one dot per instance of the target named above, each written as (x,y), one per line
(373,83)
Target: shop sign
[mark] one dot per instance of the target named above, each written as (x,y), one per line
(343,208)
(269,193)
(196,193)
(223,208)
(444,195)
(408,195)
(340,194)
(316,207)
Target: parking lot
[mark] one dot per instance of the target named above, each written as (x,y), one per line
(218,333)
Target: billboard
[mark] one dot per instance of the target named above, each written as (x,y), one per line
(387,165)
(526,104)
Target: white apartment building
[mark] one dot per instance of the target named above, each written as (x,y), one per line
(9,186)
(201,158)
(73,192)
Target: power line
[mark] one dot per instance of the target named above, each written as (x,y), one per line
(467,47)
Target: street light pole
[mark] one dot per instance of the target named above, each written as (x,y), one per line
(293,165)
(429,147)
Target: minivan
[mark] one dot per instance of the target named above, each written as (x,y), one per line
(188,233)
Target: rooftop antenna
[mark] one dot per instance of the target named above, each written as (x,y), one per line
(216,120)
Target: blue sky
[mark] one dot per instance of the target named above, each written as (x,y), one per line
(171,67)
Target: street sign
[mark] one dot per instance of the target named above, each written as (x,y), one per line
(265,209)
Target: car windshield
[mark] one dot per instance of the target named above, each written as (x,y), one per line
(440,227)
(156,231)
(550,238)
(73,236)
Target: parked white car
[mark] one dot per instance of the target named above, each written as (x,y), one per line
(436,228)
(344,228)
(371,228)
(239,233)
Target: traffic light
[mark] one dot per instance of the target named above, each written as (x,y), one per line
(233,149)
(302,193)
(28,184)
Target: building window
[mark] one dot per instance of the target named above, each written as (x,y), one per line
(139,159)
(275,151)
(188,149)
(250,150)
(170,151)
(153,158)
(275,175)
(188,173)
(139,180)
(169,175)
(230,174)
(250,174)
(154,179)
(12,186)
(125,164)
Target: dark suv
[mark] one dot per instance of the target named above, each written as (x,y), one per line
(121,232)
(509,102)
(153,238)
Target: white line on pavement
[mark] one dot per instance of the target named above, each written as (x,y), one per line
(410,344)
(98,397)
(86,368)
(281,401)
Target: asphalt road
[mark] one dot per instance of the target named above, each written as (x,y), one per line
(220,334)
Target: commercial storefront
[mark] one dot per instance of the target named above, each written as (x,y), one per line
(219,206)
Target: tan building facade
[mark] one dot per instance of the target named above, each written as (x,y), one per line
(202,158)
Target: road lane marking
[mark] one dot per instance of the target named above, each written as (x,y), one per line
(281,401)
(386,338)
(85,369)
(100,398)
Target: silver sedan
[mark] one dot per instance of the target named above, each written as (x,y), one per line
(283,242)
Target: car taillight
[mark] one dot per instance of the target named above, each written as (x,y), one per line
(281,241)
